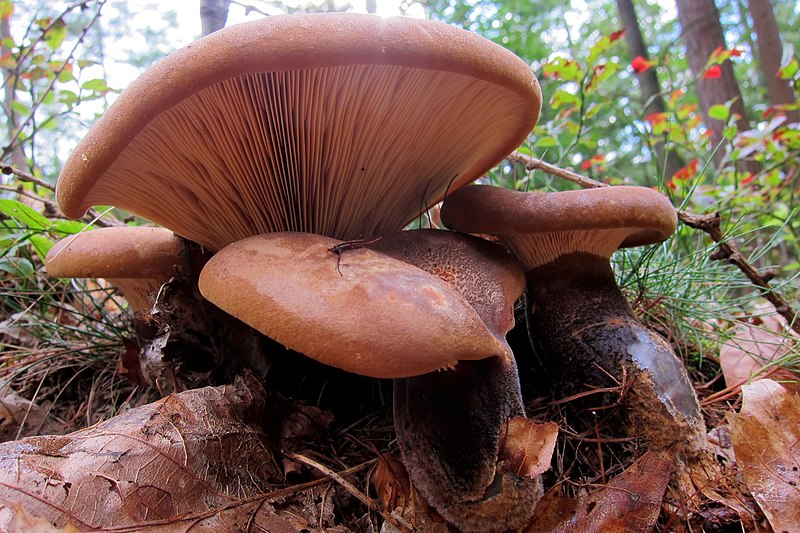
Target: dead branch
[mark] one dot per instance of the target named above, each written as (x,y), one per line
(726,249)
(531,163)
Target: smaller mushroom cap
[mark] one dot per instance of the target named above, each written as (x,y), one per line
(485,273)
(358,310)
(136,260)
(597,221)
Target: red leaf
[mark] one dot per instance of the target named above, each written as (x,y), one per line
(641,64)
(687,172)
(748,179)
(713,73)
(656,118)
(617,35)
(586,165)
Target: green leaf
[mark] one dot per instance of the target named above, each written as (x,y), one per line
(719,112)
(19,108)
(547,142)
(41,245)
(98,85)
(23,214)
(68,227)
(561,98)
(17,266)
(56,34)
(67,97)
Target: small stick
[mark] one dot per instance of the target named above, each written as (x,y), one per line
(349,245)
(366,500)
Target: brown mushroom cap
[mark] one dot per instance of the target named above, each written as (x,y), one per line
(488,277)
(340,124)
(358,310)
(136,260)
(539,227)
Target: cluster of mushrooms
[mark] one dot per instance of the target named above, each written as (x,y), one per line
(294,150)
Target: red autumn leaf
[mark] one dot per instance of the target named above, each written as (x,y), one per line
(617,35)
(641,64)
(735,52)
(713,72)
(748,179)
(656,118)
(687,172)
(586,165)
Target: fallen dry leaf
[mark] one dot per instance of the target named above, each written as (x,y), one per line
(766,440)
(752,347)
(527,447)
(631,502)
(391,482)
(18,417)
(191,460)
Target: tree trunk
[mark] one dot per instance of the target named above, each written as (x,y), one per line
(770,50)
(213,15)
(702,34)
(372,6)
(652,100)
(15,152)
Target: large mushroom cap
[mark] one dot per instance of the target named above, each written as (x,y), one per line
(137,260)
(358,310)
(339,124)
(540,226)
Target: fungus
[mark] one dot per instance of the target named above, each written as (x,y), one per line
(449,423)
(582,325)
(344,125)
(136,260)
(358,310)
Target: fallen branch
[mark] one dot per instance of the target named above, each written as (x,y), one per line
(709,224)
(727,250)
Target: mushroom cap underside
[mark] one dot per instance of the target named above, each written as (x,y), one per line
(340,124)
(638,214)
(349,307)
(133,252)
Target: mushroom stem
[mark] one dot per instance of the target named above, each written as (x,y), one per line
(586,334)
(448,427)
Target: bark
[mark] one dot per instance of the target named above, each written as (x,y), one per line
(770,51)
(702,34)
(213,15)
(10,77)
(648,84)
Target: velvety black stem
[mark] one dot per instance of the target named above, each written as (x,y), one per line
(588,337)
(448,427)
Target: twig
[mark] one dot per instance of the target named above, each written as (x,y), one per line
(352,489)
(709,224)
(25,176)
(726,249)
(531,163)
(51,210)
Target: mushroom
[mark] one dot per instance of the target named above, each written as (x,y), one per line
(357,310)
(429,308)
(340,124)
(580,322)
(135,259)
(450,423)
